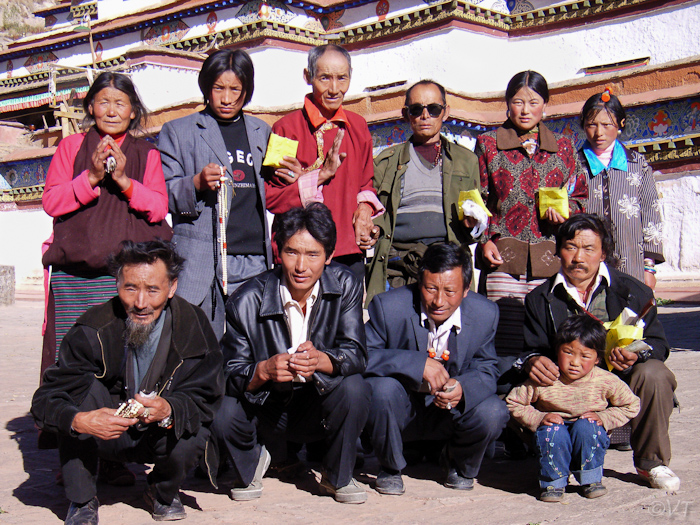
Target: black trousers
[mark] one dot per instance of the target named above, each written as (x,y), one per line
(302,416)
(397,415)
(173,458)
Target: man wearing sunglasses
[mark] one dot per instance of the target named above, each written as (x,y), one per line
(419,182)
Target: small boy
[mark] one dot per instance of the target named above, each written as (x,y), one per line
(571,418)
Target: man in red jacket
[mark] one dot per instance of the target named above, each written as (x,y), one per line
(334,158)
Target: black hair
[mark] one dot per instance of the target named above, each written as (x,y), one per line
(445,256)
(147,253)
(235,60)
(529,79)
(587,221)
(426,82)
(122,83)
(588,331)
(316,219)
(596,104)
(317,52)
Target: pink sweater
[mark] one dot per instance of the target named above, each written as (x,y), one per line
(64,194)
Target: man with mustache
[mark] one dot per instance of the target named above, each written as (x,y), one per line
(588,283)
(147,341)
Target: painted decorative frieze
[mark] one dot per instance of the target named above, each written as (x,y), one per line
(164,34)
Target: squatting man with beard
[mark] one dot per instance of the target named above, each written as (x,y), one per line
(146,340)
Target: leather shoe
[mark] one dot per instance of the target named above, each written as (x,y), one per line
(85,514)
(453,479)
(162,511)
(390,484)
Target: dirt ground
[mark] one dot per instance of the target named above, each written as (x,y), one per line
(506,491)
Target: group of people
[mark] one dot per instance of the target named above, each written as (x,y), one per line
(231,340)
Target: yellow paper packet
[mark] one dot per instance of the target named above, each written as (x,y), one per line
(474,196)
(278,148)
(556,198)
(621,334)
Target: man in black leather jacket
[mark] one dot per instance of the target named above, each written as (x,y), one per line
(294,353)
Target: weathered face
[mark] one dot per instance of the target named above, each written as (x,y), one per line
(526,109)
(112,111)
(425,126)
(601,130)
(144,290)
(581,257)
(330,83)
(303,260)
(575,360)
(227,95)
(442,293)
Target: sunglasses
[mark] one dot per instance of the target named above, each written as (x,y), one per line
(416,110)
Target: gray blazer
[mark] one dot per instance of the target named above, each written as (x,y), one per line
(187,145)
(397,343)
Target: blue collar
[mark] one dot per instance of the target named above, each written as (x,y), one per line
(618,160)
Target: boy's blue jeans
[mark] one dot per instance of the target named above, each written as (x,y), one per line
(577,446)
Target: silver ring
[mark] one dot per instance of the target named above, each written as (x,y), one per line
(449,406)
(146,413)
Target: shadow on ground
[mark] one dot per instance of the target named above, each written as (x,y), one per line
(41,489)
(682,327)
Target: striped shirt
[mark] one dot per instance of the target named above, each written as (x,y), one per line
(628,203)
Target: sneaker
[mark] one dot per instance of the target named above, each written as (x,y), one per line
(162,511)
(552,495)
(116,474)
(254,489)
(85,514)
(390,484)
(594,490)
(661,477)
(350,493)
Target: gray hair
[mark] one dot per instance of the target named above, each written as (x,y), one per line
(318,51)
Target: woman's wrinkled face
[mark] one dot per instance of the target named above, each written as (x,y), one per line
(112,111)
(526,109)
(601,130)
(227,95)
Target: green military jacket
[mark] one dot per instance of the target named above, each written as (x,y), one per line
(460,172)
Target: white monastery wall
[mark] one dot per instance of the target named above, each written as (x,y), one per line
(680,209)
(21,234)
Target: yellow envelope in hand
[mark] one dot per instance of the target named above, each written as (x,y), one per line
(278,148)
(621,334)
(556,198)
(474,196)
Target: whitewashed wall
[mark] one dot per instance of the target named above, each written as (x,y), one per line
(21,235)
(680,208)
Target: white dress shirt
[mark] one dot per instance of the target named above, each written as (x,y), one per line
(438,336)
(297,320)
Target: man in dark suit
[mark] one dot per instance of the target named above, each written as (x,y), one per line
(433,369)
(586,283)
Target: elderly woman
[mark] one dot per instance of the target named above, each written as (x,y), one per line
(103,187)
(517,159)
(621,188)
(207,157)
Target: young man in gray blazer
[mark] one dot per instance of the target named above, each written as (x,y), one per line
(197,151)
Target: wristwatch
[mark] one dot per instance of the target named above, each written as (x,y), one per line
(167,422)
(644,355)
